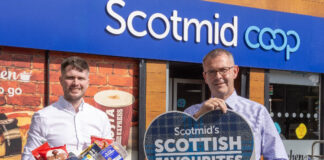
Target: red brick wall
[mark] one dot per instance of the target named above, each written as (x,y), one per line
(106,72)
(17,61)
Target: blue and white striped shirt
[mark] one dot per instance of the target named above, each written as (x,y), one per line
(267,141)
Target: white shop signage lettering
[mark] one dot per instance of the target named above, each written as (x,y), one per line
(118,130)
(11,91)
(215,32)
(111,115)
(9,75)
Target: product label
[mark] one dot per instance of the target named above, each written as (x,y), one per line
(90,155)
(110,152)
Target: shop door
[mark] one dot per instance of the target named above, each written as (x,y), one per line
(187,92)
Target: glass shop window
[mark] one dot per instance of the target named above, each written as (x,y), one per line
(294,104)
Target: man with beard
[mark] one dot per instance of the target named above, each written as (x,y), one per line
(69,121)
(219,74)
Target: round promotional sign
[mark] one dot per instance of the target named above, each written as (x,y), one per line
(214,136)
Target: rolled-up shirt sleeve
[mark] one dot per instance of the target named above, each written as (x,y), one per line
(36,136)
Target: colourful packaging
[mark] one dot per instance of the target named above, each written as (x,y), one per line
(90,153)
(45,152)
(113,152)
(35,152)
(56,153)
(101,142)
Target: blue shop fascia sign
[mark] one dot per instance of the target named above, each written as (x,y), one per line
(182,30)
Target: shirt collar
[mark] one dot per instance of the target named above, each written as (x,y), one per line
(68,106)
(231,100)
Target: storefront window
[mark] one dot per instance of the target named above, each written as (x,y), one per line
(295,107)
(294,104)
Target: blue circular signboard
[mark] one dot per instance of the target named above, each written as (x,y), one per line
(214,136)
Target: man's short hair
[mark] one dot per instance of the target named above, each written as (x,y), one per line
(217,52)
(76,62)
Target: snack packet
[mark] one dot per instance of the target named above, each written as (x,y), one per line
(35,152)
(115,151)
(45,152)
(101,142)
(55,153)
(90,153)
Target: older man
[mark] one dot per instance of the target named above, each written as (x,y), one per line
(219,73)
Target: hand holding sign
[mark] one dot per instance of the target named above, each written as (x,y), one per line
(215,135)
(212,104)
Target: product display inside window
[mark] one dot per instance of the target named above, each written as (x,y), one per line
(295,110)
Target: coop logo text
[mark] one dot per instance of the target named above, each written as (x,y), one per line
(277,39)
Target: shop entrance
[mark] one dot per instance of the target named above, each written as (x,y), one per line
(187,92)
(186,85)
